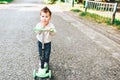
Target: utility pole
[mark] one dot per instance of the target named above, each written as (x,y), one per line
(65,1)
(72,3)
(59,1)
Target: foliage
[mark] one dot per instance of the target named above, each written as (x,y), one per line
(52,1)
(5,1)
(63,0)
(83,14)
(75,10)
(117,23)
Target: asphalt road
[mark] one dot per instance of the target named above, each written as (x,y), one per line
(78,52)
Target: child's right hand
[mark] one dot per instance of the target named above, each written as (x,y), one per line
(52,30)
(40,29)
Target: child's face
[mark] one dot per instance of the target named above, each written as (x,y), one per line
(45,18)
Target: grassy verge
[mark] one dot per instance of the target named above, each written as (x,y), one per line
(5,1)
(98,18)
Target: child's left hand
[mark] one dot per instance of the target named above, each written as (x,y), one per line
(52,30)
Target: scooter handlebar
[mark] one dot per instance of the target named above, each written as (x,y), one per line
(42,29)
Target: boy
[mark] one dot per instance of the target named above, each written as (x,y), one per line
(44,35)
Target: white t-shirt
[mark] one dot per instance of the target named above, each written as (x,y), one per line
(47,34)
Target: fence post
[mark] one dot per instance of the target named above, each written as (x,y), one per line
(72,2)
(114,12)
(59,1)
(65,1)
(45,1)
(86,5)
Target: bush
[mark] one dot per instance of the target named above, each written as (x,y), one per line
(75,10)
(5,1)
(52,1)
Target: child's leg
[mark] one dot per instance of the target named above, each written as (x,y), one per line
(47,52)
(40,54)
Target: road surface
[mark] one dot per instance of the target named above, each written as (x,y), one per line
(78,52)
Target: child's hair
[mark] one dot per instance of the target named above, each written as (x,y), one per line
(46,10)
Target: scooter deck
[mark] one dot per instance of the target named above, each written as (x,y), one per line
(38,78)
(46,76)
(42,78)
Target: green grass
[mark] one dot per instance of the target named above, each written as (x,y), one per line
(117,23)
(5,1)
(75,10)
(98,18)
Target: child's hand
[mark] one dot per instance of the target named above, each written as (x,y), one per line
(52,30)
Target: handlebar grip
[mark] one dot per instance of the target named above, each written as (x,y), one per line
(39,29)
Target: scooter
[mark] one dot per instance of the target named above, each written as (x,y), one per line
(42,73)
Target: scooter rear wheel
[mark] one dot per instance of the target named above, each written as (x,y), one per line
(50,74)
(34,74)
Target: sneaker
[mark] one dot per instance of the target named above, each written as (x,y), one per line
(45,65)
(40,64)
(41,71)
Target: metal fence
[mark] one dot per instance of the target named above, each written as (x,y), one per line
(107,10)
